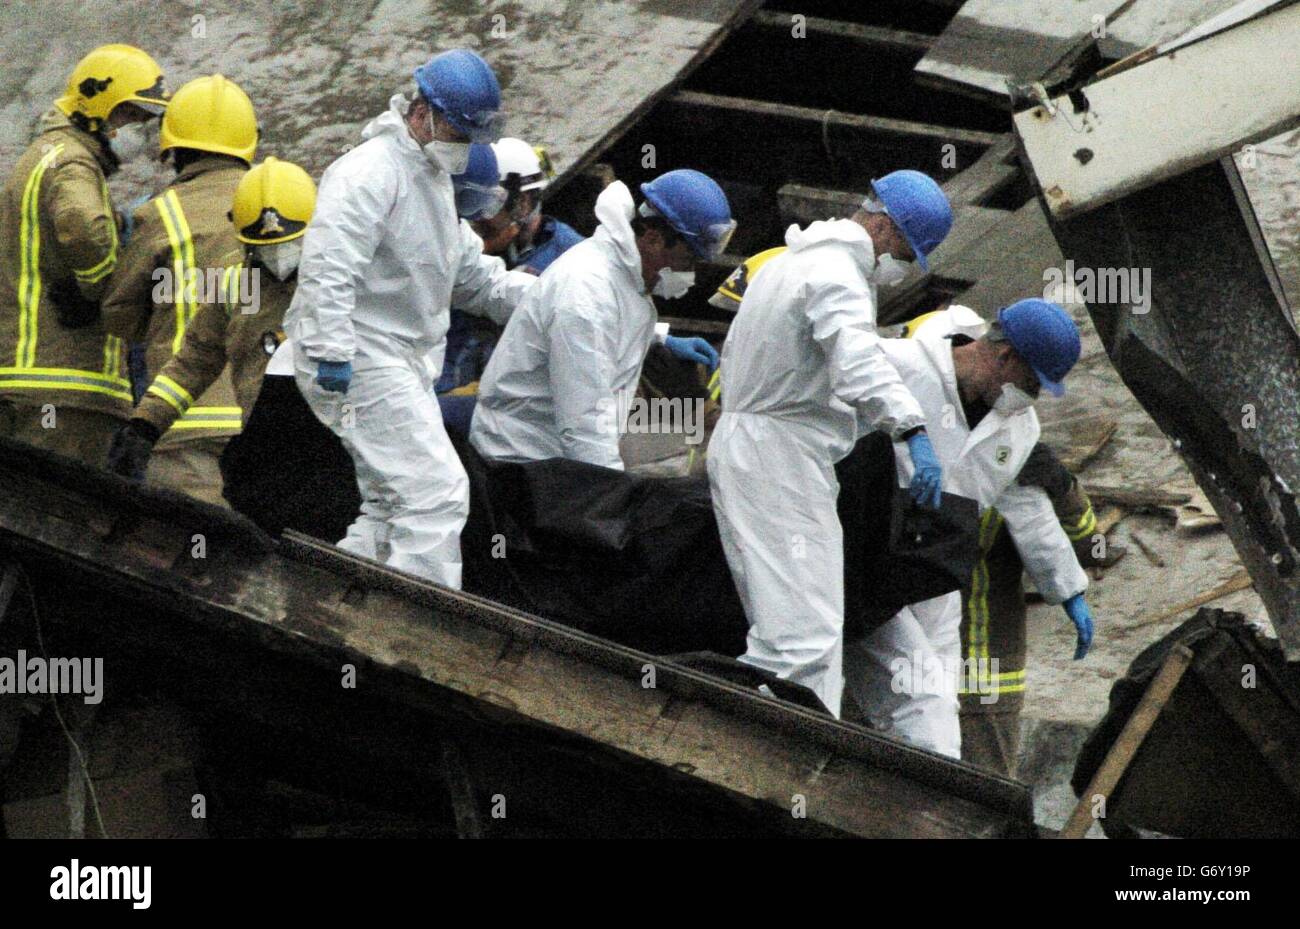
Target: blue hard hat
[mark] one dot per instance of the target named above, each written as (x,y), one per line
(1044,335)
(695,206)
(462,87)
(479,194)
(919,207)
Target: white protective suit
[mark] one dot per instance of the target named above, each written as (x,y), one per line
(576,344)
(384,257)
(803,375)
(904,675)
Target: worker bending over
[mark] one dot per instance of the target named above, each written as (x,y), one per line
(63,379)
(272,206)
(977,396)
(803,376)
(553,386)
(383,258)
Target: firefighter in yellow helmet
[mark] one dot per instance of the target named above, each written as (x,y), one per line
(174,266)
(63,379)
(273,204)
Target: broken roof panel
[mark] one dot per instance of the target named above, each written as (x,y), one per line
(991,41)
(571,72)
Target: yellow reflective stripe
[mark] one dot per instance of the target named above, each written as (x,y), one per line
(181,392)
(105,267)
(1008,682)
(211,417)
(995,689)
(28,378)
(98,272)
(186,278)
(715,385)
(163,394)
(978,598)
(990,525)
(230,280)
(29,252)
(113,350)
(1085,527)
(176,395)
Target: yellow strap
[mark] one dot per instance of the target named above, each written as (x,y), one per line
(29,252)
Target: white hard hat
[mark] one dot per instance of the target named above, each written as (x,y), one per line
(515,156)
(966,321)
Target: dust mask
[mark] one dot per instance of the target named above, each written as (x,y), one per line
(1012,400)
(281,259)
(128,142)
(452,157)
(673,284)
(890,272)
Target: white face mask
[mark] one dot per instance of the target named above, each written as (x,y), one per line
(452,157)
(673,284)
(890,272)
(281,259)
(1012,400)
(128,142)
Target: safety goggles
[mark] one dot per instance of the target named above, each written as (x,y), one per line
(486,126)
(713,241)
(475,201)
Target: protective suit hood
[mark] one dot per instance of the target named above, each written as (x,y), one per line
(393,122)
(615,210)
(835,230)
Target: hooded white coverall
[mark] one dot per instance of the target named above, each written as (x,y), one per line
(383,259)
(801,367)
(904,675)
(575,345)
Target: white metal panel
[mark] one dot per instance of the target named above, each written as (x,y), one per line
(1168,115)
(991,41)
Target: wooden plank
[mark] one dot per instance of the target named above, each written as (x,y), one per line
(1128,742)
(1135,497)
(1239,581)
(876,128)
(988,176)
(869,38)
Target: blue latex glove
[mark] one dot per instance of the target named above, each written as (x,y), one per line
(1077,609)
(927,476)
(693,349)
(334,375)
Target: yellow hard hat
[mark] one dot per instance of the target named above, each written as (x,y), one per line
(210,114)
(732,290)
(273,203)
(109,75)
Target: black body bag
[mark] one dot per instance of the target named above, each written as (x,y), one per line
(897,553)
